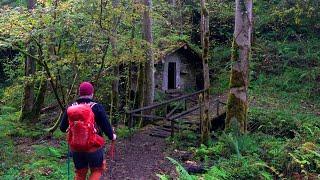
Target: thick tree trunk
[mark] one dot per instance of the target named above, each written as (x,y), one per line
(28,96)
(237,107)
(40,99)
(149,64)
(205,131)
(29,68)
(115,94)
(116,74)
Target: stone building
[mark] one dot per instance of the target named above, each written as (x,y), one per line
(179,69)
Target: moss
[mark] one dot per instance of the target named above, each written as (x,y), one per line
(236,79)
(234,51)
(236,108)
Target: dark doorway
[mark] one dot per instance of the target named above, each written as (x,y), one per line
(172,75)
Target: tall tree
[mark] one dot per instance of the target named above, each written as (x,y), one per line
(115,82)
(205,131)
(149,64)
(237,106)
(29,68)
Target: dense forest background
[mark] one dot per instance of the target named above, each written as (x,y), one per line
(71,41)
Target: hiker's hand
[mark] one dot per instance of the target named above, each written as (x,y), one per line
(114,137)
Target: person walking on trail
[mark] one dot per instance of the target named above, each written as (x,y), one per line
(85,121)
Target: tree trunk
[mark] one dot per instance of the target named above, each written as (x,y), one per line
(29,68)
(205,131)
(31,4)
(149,64)
(40,99)
(140,90)
(28,96)
(116,74)
(237,106)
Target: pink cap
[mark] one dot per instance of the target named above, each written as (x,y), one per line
(85,89)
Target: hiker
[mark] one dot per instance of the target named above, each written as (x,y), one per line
(86,142)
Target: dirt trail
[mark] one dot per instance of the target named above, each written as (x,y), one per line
(140,158)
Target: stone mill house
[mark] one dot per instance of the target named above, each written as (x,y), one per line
(179,69)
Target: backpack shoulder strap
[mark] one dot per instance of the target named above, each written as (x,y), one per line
(92,104)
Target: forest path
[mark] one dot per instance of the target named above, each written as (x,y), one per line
(140,158)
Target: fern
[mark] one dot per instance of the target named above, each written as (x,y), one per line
(162,176)
(232,142)
(184,175)
(216,173)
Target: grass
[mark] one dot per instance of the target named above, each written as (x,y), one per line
(30,158)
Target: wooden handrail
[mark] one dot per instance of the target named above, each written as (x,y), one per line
(148,116)
(184,113)
(165,102)
(171,112)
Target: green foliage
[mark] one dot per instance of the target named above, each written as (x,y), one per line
(123,132)
(22,160)
(306,158)
(183,138)
(163,176)
(12,95)
(216,173)
(183,174)
(7,110)
(244,167)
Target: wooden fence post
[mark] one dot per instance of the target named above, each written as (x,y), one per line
(172,128)
(200,101)
(218,104)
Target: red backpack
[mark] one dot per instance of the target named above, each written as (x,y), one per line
(82,134)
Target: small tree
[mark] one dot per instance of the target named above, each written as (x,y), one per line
(149,64)
(116,73)
(205,131)
(237,106)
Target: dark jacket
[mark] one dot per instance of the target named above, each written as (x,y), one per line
(100,117)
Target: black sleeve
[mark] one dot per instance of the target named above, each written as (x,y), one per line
(64,122)
(102,120)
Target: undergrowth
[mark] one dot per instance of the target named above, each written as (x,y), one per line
(284,114)
(27,153)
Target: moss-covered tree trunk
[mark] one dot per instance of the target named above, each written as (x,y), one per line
(28,95)
(40,99)
(29,68)
(237,106)
(205,128)
(149,64)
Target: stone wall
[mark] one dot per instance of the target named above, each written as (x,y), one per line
(185,72)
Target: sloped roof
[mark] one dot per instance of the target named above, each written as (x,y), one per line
(182,46)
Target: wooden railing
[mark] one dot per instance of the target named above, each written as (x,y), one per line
(172,115)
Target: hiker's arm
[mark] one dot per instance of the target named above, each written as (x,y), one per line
(64,122)
(103,121)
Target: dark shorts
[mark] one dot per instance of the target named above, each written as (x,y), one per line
(88,159)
